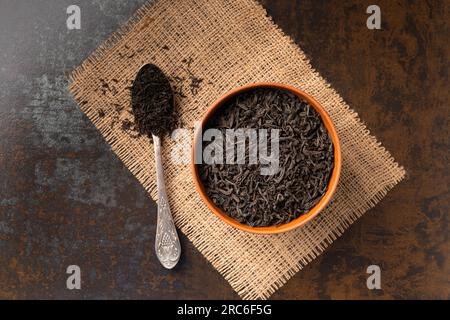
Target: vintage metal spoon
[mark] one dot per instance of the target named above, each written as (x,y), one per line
(152,102)
(167,244)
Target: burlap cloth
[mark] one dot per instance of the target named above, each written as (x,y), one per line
(227,43)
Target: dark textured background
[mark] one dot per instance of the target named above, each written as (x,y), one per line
(66,199)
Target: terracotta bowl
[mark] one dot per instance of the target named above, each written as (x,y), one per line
(301,220)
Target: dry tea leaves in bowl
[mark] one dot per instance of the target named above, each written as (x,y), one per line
(305,159)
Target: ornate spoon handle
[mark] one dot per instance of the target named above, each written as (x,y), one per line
(167,244)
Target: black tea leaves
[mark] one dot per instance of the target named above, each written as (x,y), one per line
(306,160)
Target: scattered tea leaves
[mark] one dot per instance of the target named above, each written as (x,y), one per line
(101,113)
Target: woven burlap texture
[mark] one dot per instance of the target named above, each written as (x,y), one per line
(227,43)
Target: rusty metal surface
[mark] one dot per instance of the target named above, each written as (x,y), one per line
(66,199)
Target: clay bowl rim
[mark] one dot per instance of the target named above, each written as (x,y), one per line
(332,185)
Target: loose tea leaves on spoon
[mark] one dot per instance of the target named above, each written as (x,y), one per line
(306,160)
(152,102)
